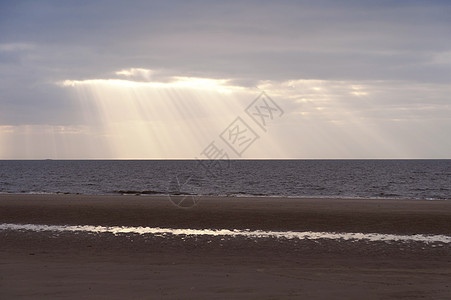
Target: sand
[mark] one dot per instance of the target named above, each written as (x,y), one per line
(103,266)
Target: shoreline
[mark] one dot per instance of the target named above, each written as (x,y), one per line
(397,216)
(157,194)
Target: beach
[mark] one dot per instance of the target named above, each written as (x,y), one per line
(68,265)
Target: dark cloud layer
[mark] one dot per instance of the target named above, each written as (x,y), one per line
(261,39)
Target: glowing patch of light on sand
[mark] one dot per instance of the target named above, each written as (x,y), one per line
(306,235)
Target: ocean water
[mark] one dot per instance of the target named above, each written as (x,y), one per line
(415,179)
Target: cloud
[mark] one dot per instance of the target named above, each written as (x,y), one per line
(328,62)
(13,47)
(136,74)
(278,41)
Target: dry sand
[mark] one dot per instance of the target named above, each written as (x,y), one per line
(103,266)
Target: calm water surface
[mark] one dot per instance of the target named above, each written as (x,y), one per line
(418,179)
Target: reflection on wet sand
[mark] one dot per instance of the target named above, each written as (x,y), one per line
(306,235)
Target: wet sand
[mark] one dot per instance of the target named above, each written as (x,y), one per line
(42,265)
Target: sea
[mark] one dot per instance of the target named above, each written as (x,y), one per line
(383,179)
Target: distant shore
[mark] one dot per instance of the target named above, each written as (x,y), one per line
(104,266)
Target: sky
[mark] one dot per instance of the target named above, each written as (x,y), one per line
(216,79)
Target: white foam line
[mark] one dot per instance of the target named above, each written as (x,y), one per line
(306,235)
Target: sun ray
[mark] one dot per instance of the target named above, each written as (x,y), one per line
(158,119)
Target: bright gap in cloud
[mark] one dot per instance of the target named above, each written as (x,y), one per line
(143,78)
